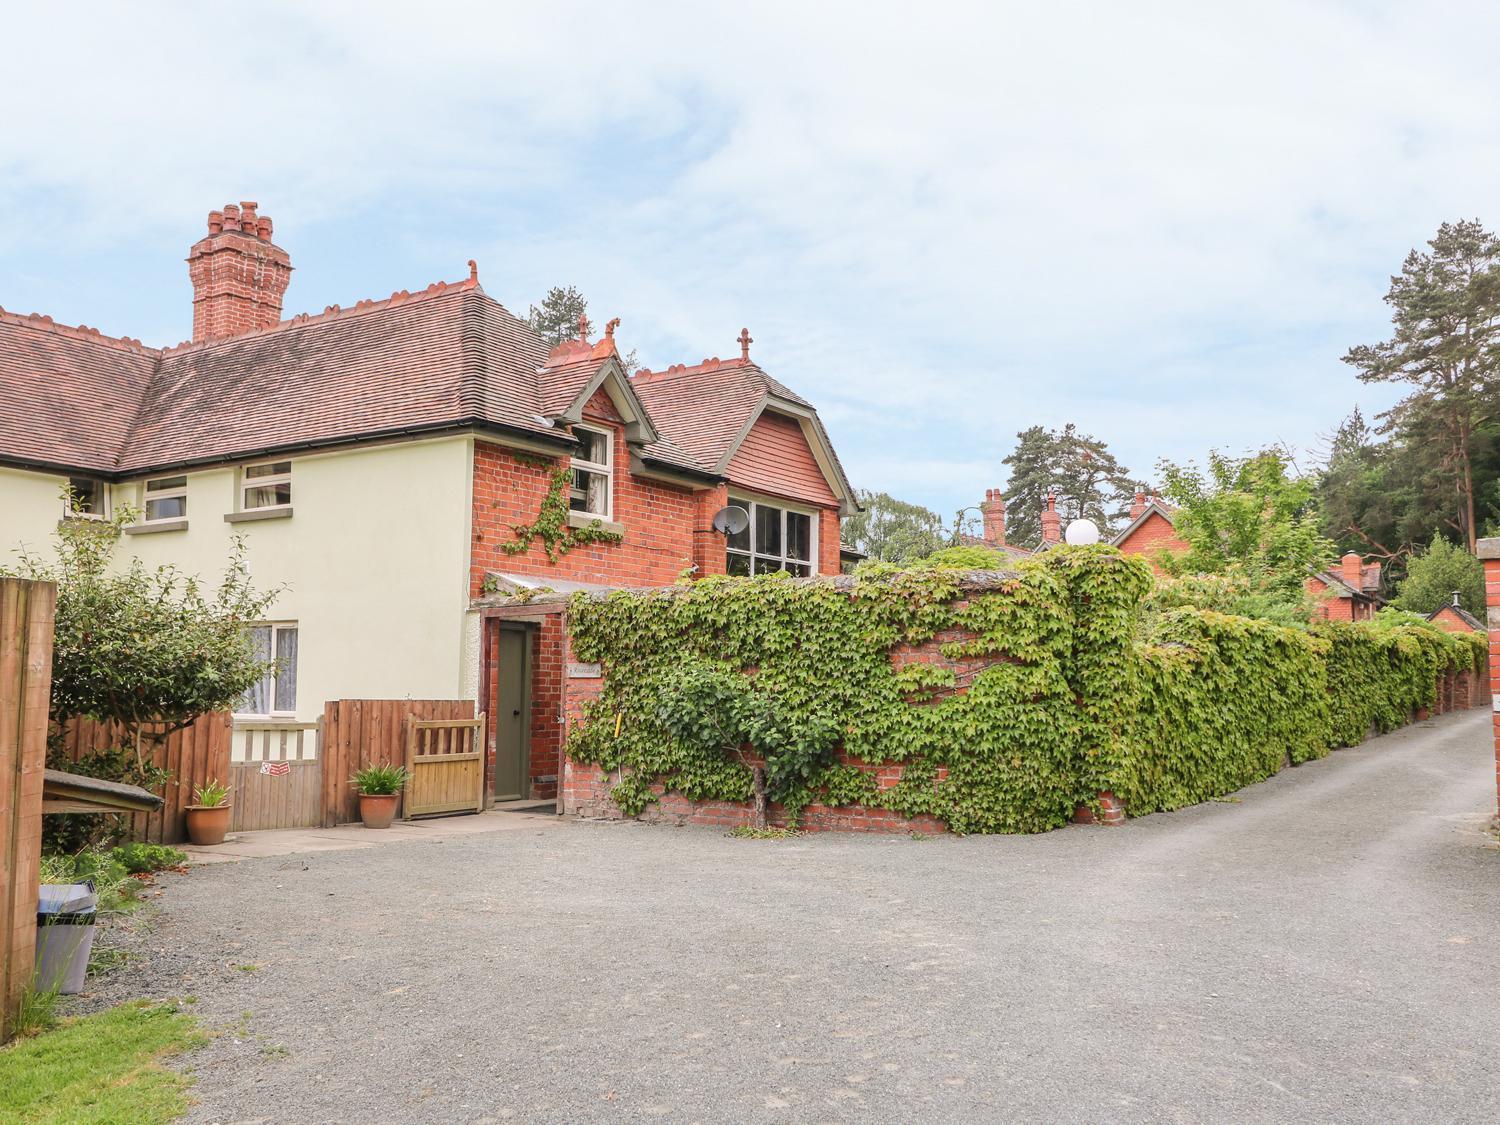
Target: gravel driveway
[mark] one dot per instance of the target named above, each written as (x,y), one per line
(1324,947)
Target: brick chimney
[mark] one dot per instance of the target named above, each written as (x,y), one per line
(1051,521)
(239,275)
(993,510)
(1351,570)
(1138,505)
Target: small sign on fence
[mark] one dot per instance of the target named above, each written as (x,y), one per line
(276,769)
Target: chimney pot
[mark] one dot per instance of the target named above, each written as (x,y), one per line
(1051,521)
(1139,505)
(238,283)
(993,511)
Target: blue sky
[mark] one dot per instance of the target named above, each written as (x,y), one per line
(941,223)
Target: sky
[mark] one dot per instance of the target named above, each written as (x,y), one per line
(942,223)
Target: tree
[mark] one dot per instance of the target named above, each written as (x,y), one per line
(1446,347)
(1252,517)
(1078,467)
(557,319)
(1435,574)
(716,710)
(892,530)
(142,647)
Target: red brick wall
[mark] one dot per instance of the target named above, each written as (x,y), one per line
(1155,534)
(1334,608)
(1451,622)
(1489,551)
(659,519)
(667,529)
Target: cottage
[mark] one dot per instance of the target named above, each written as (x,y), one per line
(398,465)
(1453,618)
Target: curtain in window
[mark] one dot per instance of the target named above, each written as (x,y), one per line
(257,701)
(286,669)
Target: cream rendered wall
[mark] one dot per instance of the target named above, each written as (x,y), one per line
(374,560)
(30,506)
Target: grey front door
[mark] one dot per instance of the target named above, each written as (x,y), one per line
(512,716)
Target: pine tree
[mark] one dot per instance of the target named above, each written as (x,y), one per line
(1446,347)
(1078,467)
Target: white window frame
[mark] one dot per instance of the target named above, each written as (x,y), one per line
(102,491)
(270,680)
(606,470)
(751,504)
(248,482)
(163,494)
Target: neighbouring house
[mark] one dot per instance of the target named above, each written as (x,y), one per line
(1350,593)
(1455,619)
(401,466)
(992,511)
(1151,530)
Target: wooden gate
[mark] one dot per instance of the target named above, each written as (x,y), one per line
(445,766)
(277,777)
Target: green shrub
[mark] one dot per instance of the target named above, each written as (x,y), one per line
(380,780)
(141,859)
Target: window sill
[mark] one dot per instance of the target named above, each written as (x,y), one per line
(153,528)
(585,519)
(70,520)
(258,514)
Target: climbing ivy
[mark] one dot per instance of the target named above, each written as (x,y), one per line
(1070,687)
(551,523)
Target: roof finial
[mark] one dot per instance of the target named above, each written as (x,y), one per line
(745,341)
(609,329)
(473,270)
(584,327)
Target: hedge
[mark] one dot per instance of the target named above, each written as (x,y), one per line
(1078,689)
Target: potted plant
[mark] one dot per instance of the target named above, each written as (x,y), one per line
(208,819)
(379,789)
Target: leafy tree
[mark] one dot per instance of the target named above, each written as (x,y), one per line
(1445,346)
(1086,477)
(717,710)
(892,530)
(1433,575)
(1247,516)
(556,319)
(141,647)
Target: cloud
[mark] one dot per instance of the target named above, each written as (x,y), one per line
(1165,222)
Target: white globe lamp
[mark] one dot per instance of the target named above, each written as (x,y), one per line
(1080,533)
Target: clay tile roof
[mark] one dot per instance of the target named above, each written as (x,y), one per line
(67,395)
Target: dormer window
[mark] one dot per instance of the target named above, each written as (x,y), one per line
(593,473)
(88,498)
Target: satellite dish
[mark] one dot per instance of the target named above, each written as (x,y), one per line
(731,520)
(1081,532)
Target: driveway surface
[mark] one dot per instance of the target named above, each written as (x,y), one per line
(1325,947)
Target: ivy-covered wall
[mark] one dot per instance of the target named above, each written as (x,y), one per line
(992,701)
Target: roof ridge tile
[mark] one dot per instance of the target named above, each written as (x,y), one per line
(45,323)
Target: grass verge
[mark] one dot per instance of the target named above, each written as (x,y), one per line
(103,1069)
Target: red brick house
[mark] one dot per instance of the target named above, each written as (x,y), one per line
(1453,618)
(1151,530)
(392,465)
(1351,593)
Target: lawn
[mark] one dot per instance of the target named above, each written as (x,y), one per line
(101,1069)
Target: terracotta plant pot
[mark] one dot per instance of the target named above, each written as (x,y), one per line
(207,824)
(377,810)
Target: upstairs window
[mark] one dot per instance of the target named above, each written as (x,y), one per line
(166,499)
(266,486)
(593,473)
(88,498)
(776,539)
(276,692)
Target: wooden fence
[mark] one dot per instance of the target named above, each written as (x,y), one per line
(364,732)
(277,776)
(26,613)
(194,755)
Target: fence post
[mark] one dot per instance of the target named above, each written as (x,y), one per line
(26,619)
(1489,551)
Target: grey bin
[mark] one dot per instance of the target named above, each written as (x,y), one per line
(64,935)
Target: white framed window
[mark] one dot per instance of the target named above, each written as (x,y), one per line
(593,489)
(164,498)
(88,498)
(276,692)
(268,485)
(777,538)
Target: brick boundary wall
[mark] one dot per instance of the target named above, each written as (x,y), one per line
(1489,552)
(586,787)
